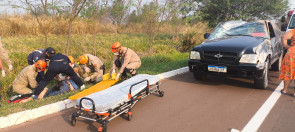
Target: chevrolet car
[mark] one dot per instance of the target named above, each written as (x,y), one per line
(239,49)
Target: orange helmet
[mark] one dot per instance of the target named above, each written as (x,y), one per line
(83,59)
(116,46)
(71,59)
(41,64)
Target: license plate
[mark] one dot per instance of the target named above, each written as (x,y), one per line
(217,68)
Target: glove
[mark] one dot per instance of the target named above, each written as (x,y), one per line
(3,73)
(82,87)
(118,75)
(87,79)
(114,71)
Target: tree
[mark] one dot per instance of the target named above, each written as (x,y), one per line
(40,11)
(215,11)
(75,8)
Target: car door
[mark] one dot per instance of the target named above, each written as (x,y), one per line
(274,42)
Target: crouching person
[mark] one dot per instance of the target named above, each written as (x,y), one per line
(125,59)
(92,68)
(27,77)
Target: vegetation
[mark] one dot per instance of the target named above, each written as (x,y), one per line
(160,32)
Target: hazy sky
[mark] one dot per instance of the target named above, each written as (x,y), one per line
(4,8)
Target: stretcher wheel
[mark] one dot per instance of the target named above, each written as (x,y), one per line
(73,120)
(102,129)
(129,117)
(161,93)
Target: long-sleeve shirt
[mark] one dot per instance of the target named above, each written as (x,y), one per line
(95,64)
(27,77)
(127,56)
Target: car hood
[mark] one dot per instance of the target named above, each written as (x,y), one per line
(236,44)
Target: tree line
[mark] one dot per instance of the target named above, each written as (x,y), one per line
(150,14)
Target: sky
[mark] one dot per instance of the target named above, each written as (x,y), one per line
(4,8)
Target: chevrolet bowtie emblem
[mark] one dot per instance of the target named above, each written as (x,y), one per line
(218,55)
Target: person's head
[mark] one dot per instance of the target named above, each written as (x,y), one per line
(83,59)
(40,65)
(50,52)
(116,47)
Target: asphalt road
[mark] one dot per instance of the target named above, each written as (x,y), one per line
(215,105)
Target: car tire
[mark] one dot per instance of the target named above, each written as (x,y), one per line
(277,65)
(262,82)
(199,76)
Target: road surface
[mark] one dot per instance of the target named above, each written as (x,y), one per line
(214,105)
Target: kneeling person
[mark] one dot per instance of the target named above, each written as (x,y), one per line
(125,59)
(27,77)
(93,68)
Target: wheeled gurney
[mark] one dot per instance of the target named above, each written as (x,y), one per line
(116,100)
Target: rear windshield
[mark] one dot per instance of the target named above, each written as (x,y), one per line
(292,23)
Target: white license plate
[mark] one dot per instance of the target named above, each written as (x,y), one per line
(217,68)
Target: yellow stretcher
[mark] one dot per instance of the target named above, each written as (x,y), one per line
(106,83)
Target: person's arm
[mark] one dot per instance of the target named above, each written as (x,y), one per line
(115,58)
(1,65)
(31,79)
(26,100)
(285,37)
(42,84)
(96,73)
(126,61)
(41,95)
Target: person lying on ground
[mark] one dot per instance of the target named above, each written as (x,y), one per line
(61,88)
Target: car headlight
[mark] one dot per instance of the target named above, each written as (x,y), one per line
(195,55)
(249,58)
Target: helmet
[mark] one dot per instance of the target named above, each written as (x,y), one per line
(83,59)
(41,64)
(71,59)
(116,46)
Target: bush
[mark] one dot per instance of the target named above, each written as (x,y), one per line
(193,36)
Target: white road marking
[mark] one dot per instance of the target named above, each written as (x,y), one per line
(255,122)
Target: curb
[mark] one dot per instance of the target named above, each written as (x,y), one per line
(20,117)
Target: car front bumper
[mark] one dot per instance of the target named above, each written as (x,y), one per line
(239,70)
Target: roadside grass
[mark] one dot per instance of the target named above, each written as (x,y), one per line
(162,58)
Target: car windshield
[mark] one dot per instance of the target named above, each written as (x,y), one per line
(292,23)
(253,29)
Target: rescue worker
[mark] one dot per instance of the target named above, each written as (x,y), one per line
(40,54)
(2,69)
(92,68)
(73,65)
(59,63)
(27,78)
(5,58)
(125,59)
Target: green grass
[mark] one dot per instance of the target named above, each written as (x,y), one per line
(162,58)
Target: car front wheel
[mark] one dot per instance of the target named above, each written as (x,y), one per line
(262,82)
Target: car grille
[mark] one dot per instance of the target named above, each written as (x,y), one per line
(212,57)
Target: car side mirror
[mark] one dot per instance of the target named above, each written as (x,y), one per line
(283,19)
(206,35)
(283,27)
